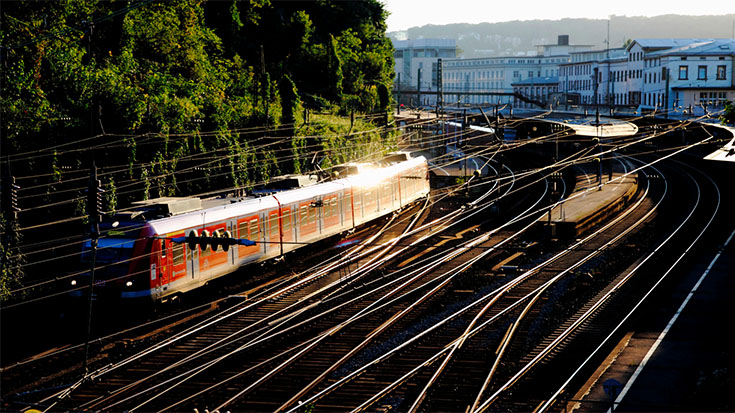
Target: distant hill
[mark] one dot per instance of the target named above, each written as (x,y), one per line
(520,37)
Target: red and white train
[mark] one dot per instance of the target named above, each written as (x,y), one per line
(136,257)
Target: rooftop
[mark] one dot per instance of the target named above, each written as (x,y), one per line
(711,47)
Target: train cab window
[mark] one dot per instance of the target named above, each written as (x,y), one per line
(178,254)
(163,248)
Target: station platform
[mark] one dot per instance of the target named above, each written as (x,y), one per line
(590,203)
(679,356)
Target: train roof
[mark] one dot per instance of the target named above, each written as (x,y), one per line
(221,209)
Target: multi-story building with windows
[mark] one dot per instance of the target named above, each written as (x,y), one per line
(667,75)
(681,76)
(577,77)
(491,80)
(694,78)
(417,65)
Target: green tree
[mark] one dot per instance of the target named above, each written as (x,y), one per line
(728,115)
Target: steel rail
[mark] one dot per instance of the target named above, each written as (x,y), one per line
(554,397)
(501,290)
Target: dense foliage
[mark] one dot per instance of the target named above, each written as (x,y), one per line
(84,68)
(728,114)
(182,97)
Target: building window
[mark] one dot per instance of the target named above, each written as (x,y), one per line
(702,73)
(683,72)
(721,73)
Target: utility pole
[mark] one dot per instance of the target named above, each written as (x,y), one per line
(398,95)
(439,86)
(666,73)
(94,211)
(597,127)
(418,89)
(607,54)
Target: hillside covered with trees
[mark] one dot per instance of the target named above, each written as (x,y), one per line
(184,97)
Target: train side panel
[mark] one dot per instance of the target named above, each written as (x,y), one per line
(278,224)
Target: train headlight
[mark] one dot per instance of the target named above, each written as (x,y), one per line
(129,284)
(73,282)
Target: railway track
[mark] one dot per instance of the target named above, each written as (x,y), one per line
(404,326)
(271,303)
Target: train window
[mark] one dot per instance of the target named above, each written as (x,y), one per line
(163,248)
(206,249)
(273,225)
(348,201)
(217,234)
(286,220)
(312,215)
(242,229)
(254,230)
(333,206)
(304,215)
(327,209)
(178,253)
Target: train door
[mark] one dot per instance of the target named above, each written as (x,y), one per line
(307,220)
(178,261)
(274,232)
(348,209)
(164,267)
(231,233)
(386,201)
(248,228)
(192,259)
(286,226)
(331,211)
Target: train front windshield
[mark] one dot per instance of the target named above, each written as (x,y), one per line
(109,250)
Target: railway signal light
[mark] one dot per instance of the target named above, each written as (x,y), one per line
(9,191)
(14,195)
(94,199)
(217,239)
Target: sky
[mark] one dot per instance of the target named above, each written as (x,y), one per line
(410,13)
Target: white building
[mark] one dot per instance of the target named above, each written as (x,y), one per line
(490,80)
(420,56)
(692,79)
(674,76)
